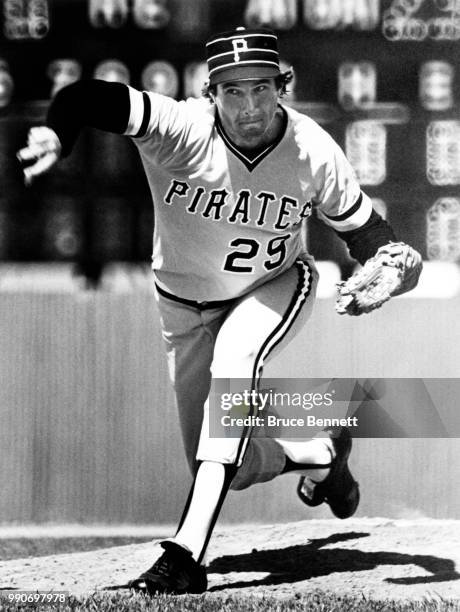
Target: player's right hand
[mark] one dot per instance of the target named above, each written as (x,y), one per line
(42,152)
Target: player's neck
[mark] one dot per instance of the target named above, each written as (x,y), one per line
(272,135)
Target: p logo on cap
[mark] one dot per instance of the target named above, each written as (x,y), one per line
(239,44)
(242,54)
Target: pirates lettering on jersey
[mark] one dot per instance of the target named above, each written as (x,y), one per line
(243,208)
(266,199)
(216,201)
(240,212)
(284,211)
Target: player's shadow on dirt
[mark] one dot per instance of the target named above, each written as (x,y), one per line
(297,563)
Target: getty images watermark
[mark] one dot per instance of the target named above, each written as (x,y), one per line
(269,400)
(301,408)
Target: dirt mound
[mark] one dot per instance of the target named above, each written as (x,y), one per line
(382,559)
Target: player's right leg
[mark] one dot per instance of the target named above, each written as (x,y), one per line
(189,335)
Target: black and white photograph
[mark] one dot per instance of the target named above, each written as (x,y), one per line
(229,297)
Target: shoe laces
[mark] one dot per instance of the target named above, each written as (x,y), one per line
(162,565)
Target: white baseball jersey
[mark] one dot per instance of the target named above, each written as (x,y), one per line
(224,223)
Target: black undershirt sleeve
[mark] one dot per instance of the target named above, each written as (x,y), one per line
(91,103)
(364,242)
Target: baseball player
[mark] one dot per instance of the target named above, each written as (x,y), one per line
(233,180)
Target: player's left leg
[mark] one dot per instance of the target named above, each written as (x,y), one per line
(256,330)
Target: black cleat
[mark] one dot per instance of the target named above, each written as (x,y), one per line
(339,489)
(175,572)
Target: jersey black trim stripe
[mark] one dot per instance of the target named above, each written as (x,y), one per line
(147,115)
(251,162)
(348,213)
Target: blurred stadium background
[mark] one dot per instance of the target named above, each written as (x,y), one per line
(88,431)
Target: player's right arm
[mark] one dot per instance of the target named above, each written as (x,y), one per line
(111,107)
(92,103)
(164,129)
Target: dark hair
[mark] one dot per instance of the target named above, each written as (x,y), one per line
(281,82)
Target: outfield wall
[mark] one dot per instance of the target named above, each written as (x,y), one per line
(88,431)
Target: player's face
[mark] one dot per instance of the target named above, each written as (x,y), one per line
(248,110)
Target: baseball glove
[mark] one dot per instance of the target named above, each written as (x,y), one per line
(393,270)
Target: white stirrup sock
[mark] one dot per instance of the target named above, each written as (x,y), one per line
(319,451)
(208,486)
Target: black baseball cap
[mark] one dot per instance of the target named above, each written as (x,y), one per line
(242,54)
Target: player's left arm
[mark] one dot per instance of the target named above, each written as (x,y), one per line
(363,242)
(376,238)
(390,268)
(348,210)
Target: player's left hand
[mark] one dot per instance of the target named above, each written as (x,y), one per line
(42,152)
(394,269)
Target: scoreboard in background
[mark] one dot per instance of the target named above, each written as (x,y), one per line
(381,77)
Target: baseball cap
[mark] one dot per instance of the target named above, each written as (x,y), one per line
(243,53)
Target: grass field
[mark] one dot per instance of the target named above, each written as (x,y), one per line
(314,602)
(229,591)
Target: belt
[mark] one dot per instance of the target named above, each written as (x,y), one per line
(193,303)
